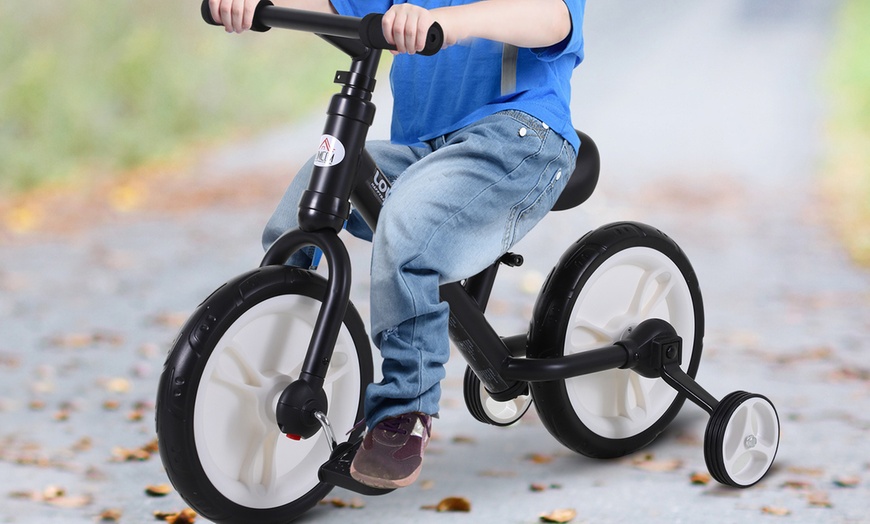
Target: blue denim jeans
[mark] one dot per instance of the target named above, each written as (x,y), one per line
(455,207)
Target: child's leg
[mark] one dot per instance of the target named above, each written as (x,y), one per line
(391,159)
(449,216)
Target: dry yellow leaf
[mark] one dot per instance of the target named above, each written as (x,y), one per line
(701,478)
(118,385)
(849,481)
(451,504)
(559,515)
(776,510)
(649,463)
(111,515)
(819,499)
(538,458)
(185,516)
(158,490)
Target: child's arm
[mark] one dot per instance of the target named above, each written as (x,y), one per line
(523,23)
(237,15)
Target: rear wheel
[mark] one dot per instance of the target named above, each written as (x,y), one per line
(219,440)
(605,285)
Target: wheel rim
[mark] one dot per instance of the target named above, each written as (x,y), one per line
(240,447)
(503,413)
(633,285)
(750,441)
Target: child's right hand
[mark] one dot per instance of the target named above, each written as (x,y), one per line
(235,15)
(407,25)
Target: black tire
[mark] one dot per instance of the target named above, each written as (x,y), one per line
(582,306)
(216,428)
(732,458)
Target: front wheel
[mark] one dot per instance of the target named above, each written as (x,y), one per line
(604,285)
(219,439)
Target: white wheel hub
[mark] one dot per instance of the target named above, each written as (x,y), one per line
(631,286)
(751,440)
(240,447)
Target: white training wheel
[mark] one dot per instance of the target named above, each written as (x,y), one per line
(488,410)
(742,439)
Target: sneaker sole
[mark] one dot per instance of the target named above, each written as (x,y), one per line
(376,482)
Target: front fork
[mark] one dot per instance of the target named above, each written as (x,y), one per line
(301,401)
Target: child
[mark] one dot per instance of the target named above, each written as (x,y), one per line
(473,169)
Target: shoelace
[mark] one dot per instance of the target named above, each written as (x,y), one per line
(394,425)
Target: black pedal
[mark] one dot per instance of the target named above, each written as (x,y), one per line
(336,470)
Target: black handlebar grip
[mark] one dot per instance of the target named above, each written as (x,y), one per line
(205,11)
(256,25)
(372,35)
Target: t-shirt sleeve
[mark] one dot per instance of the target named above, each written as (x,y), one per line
(573,43)
(360,8)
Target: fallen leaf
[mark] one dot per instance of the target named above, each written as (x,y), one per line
(819,499)
(797,484)
(82,445)
(78,501)
(559,515)
(701,478)
(776,510)
(354,503)
(537,487)
(464,439)
(158,490)
(185,516)
(118,385)
(55,496)
(111,515)
(649,463)
(451,504)
(538,458)
(143,453)
(172,320)
(849,481)
(803,470)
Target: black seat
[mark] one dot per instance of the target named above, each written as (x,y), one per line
(585,177)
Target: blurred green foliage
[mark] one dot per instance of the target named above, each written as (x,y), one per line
(848,177)
(90,87)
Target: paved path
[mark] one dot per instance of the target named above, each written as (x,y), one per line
(709,119)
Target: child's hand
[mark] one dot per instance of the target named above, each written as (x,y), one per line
(235,15)
(406,26)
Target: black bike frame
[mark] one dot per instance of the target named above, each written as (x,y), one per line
(337,182)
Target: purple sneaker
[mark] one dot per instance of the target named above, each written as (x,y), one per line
(391,455)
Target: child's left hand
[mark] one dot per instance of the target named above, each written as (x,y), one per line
(406,26)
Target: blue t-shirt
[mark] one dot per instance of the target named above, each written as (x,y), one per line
(435,95)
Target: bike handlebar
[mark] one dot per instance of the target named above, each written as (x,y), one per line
(367,29)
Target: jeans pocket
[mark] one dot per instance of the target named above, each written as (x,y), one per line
(538,202)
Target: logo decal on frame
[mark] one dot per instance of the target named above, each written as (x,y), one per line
(330,152)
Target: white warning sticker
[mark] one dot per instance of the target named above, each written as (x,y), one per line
(330,152)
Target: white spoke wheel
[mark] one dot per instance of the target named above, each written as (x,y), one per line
(742,439)
(488,410)
(219,439)
(604,285)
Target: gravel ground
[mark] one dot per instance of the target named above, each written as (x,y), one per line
(709,118)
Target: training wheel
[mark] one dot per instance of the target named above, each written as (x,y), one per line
(742,439)
(488,410)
